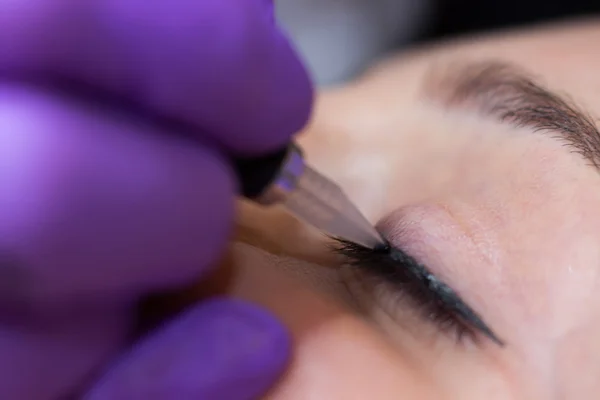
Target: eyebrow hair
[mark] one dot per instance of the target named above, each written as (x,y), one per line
(511,95)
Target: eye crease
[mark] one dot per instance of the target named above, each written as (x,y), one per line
(438,302)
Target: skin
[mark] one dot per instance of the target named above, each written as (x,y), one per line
(508,218)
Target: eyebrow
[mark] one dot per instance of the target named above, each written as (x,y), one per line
(512,96)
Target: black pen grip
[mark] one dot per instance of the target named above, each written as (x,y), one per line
(256,174)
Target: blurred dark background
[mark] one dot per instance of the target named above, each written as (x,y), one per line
(466,16)
(340,38)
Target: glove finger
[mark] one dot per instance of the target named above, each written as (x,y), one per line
(95,204)
(221,349)
(221,66)
(48,358)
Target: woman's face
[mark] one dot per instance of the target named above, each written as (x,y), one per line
(482,177)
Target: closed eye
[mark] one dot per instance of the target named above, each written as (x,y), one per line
(403,275)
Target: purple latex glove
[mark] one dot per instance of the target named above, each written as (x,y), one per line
(100,206)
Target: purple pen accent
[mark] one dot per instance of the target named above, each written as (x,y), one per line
(287,179)
(292,170)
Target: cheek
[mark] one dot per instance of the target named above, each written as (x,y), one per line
(342,360)
(336,354)
(578,362)
(550,251)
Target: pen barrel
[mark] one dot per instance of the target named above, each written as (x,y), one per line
(322,204)
(284,178)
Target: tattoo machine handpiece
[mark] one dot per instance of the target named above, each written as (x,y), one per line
(284,178)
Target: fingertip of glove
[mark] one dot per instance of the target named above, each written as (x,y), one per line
(223,348)
(261,342)
(250,347)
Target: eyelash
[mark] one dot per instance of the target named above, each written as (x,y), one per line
(397,285)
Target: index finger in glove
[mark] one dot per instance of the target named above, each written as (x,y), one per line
(221,66)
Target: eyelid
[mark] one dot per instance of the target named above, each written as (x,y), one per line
(438,234)
(406,275)
(372,292)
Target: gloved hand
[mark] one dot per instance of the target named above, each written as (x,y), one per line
(116,121)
